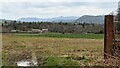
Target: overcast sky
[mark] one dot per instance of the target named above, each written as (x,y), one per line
(53,8)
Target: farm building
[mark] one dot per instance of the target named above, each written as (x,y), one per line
(44,30)
(14,31)
(36,31)
(40,31)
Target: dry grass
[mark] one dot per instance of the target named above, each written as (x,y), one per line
(90,49)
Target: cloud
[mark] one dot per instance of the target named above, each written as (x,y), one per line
(59,0)
(14,10)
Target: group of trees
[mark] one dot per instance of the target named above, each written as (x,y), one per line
(61,27)
(118,19)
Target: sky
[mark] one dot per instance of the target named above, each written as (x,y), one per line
(15,9)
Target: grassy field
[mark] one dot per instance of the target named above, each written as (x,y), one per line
(54,49)
(59,35)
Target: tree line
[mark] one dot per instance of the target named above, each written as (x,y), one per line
(60,27)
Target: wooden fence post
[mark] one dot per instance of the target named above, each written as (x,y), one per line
(108,36)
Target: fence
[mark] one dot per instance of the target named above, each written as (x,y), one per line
(111,38)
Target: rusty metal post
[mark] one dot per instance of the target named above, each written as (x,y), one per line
(108,36)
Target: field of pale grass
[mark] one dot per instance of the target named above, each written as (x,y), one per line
(52,51)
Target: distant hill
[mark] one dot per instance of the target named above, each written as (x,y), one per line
(91,19)
(2,20)
(30,19)
(8,21)
(86,18)
(55,19)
